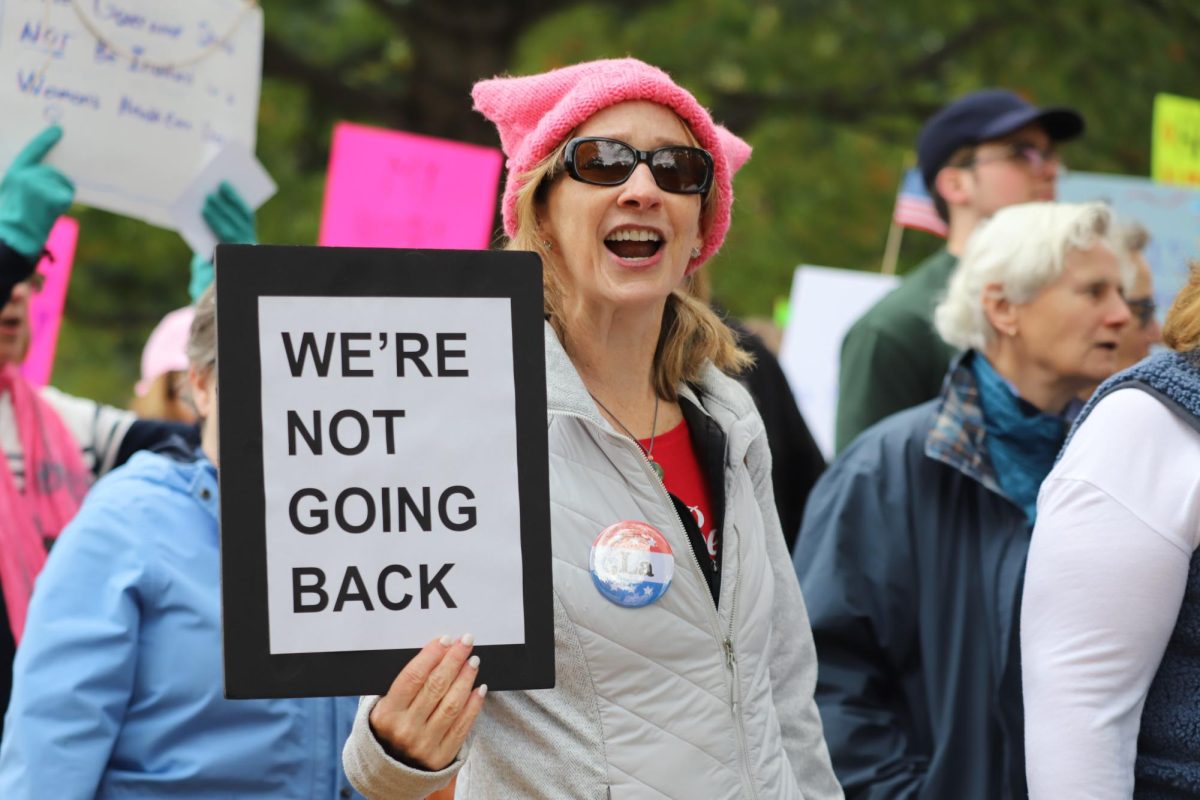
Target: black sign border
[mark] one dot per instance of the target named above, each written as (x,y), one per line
(247,272)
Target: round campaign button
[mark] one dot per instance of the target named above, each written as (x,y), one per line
(631,563)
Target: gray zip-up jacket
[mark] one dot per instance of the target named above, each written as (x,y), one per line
(681,698)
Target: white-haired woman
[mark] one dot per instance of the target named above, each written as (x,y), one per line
(913,545)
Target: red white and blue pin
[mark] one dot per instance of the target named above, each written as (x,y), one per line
(631,564)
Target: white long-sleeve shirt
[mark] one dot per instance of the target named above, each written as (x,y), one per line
(1118,522)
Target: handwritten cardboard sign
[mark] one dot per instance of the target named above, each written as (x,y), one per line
(46,306)
(391,189)
(386,409)
(1175,148)
(1170,213)
(143,89)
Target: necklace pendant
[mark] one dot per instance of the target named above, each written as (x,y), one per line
(658,470)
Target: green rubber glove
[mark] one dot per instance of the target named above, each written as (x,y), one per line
(33,195)
(228,216)
(231,221)
(201,276)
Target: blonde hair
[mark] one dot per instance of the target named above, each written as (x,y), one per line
(1181,332)
(167,398)
(1024,249)
(691,334)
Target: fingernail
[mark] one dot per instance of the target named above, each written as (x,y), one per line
(468,639)
(473,662)
(445,641)
(482,690)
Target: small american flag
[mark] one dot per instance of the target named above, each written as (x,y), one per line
(914,206)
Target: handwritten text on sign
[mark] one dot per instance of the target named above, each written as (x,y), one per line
(392,511)
(140,105)
(392,189)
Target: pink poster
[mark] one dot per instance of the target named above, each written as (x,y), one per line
(391,189)
(46,306)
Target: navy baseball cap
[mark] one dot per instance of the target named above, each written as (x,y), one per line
(982,116)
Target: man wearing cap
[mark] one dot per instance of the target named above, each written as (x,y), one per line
(982,152)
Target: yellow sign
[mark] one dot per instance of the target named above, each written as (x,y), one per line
(1175,149)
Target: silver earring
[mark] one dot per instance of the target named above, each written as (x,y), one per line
(546,243)
(695,252)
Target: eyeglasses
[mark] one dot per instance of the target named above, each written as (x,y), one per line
(1142,308)
(610,162)
(1034,157)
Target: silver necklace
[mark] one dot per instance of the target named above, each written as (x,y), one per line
(648,452)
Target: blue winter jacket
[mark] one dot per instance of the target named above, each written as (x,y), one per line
(117,687)
(911,560)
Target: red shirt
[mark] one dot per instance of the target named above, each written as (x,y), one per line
(683,478)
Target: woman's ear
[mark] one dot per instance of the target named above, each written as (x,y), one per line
(203,395)
(1001,313)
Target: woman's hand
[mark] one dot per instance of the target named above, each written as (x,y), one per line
(426,715)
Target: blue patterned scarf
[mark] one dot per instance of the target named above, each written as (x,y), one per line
(1021,440)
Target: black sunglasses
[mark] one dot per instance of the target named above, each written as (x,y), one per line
(610,162)
(1143,309)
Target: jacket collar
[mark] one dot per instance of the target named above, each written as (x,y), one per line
(957,436)
(715,393)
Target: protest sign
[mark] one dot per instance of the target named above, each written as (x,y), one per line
(824,304)
(384,465)
(143,89)
(1175,146)
(1170,213)
(46,305)
(391,189)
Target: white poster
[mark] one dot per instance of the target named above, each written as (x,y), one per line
(824,304)
(145,90)
(391,498)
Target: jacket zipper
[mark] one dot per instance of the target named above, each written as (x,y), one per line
(727,642)
(735,694)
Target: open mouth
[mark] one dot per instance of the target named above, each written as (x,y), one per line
(1107,345)
(634,243)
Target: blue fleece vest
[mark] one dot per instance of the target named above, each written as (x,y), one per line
(1168,758)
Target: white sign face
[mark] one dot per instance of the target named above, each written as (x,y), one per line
(824,304)
(144,90)
(392,511)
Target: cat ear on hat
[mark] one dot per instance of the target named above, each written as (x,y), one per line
(737,150)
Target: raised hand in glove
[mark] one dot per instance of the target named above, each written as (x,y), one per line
(231,221)
(228,216)
(32,196)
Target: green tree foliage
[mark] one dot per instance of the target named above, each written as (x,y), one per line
(831,93)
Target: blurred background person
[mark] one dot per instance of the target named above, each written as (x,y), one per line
(984,151)
(1110,623)
(56,444)
(914,540)
(619,181)
(117,686)
(1144,330)
(796,460)
(161,392)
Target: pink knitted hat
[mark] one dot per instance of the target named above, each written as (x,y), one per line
(535,113)
(166,349)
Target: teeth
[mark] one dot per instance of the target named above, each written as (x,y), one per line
(628,235)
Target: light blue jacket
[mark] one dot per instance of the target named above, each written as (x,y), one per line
(117,685)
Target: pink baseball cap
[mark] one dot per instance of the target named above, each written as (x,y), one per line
(166,349)
(535,113)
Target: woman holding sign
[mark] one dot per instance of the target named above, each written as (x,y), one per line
(117,684)
(684,661)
